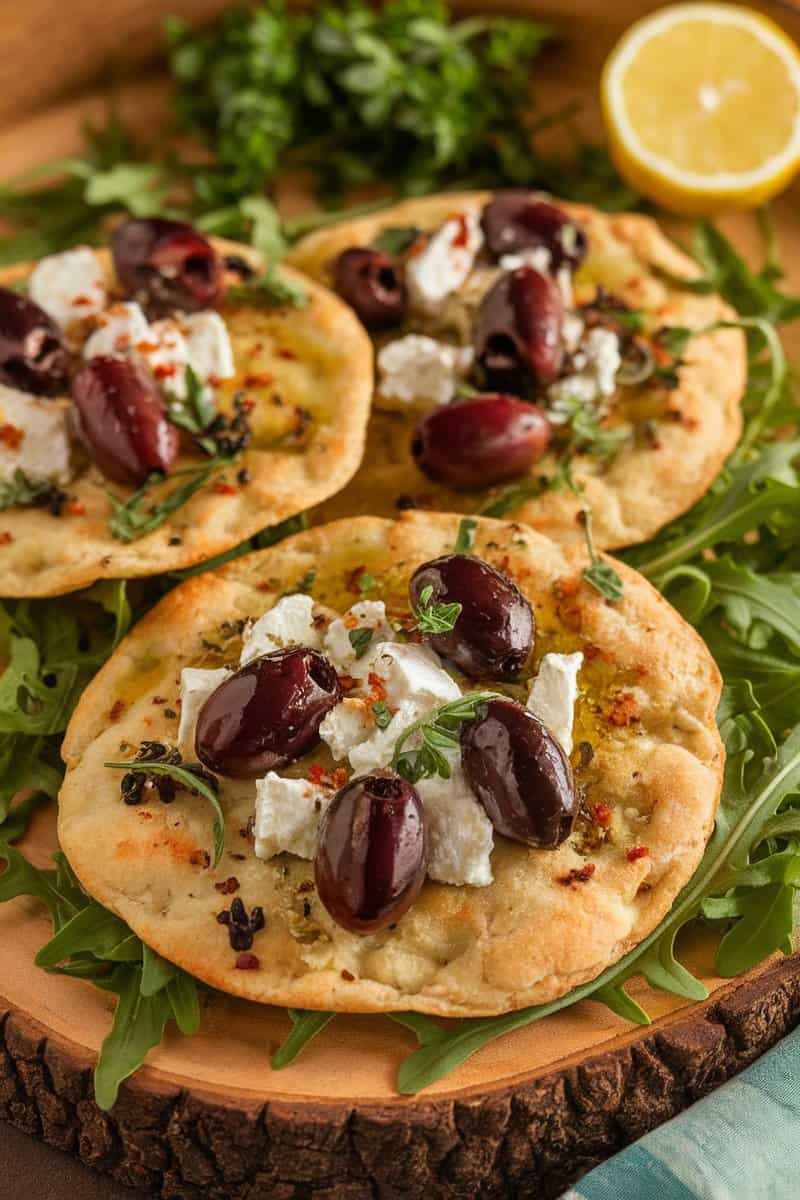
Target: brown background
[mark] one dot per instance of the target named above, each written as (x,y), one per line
(59,61)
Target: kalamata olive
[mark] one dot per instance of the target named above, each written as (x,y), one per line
(372,283)
(518,336)
(493,633)
(167,264)
(122,418)
(516,221)
(519,774)
(267,714)
(32,355)
(370,862)
(475,443)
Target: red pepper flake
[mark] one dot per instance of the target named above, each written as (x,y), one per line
(147,347)
(228,886)
(417,247)
(348,976)
(334,779)
(624,710)
(255,349)
(353,578)
(224,489)
(601,814)
(637,852)
(377,685)
(164,370)
(462,234)
(117,709)
(81,300)
(247,962)
(260,379)
(577,875)
(200,858)
(590,652)
(12,436)
(565,589)
(290,354)
(5,538)
(159,700)
(246,404)
(76,508)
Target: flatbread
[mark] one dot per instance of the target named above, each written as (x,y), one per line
(309,371)
(649,691)
(647,484)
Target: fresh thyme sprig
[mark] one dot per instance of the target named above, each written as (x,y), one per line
(433,617)
(439,734)
(130,519)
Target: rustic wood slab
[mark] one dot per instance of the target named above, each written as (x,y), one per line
(207,1117)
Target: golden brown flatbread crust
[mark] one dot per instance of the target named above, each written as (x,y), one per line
(647,484)
(309,371)
(648,695)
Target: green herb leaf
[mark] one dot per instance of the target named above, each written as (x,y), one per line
(360,639)
(600,574)
(396,240)
(22,490)
(511,498)
(196,412)
(382,714)
(466,535)
(305,1026)
(130,519)
(438,734)
(270,290)
(192,783)
(433,617)
(367,583)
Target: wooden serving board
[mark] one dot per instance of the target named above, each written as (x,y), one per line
(207,1117)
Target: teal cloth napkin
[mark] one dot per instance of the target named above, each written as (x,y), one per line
(740,1143)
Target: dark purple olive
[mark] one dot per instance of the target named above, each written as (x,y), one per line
(515,221)
(370,862)
(372,283)
(494,631)
(32,355)
(267,714)
(122,419)
(167,264)
(474,443)
(518,336)
(519,774)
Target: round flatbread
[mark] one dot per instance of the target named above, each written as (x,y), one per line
(647,761)
(682,436)
(308,372)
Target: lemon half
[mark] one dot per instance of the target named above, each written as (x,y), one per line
(702,107)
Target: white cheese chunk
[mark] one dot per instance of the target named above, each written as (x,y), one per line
(197,684)
(288,813)
(167,356)
(413,673)
(553,694)
(444,264)
(366,614)
(376,751)
(347,725)
(460,835)
(289,623)
(69,285)
(603,359)
(120,331)
(571,331)
(564,281)
(208,345)
(39,443)
(537,257)
(420,368)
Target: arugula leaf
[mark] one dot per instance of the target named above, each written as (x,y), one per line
(466,535)
(438,733)
(752,293)
(305,1026)
(138,1026)
(192,783)
(433,617)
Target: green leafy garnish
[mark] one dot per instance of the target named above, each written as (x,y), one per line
(382,714)
(433,617)
(91,943)
(367,583)
(600,574)
(270,290)
(196,412)
(438,734)
(21,490)
(305,1026)
(504,502)
(466,535)
(130,519)
(191,783)
(580,431)
(306,582)
(360,639)
(396,240)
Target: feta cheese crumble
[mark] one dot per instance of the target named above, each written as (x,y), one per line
(444,264)
(420,368)
(553,694)
(288,813)
(208,344)
(367,614)
(346,726)
(460,835)
(598,359)
(411,672)
(69,285)
(40,446)
(289,623)
(537,257)
(197,684)
(121,329)
(167,356)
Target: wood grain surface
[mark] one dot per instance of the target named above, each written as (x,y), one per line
(207,1118)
